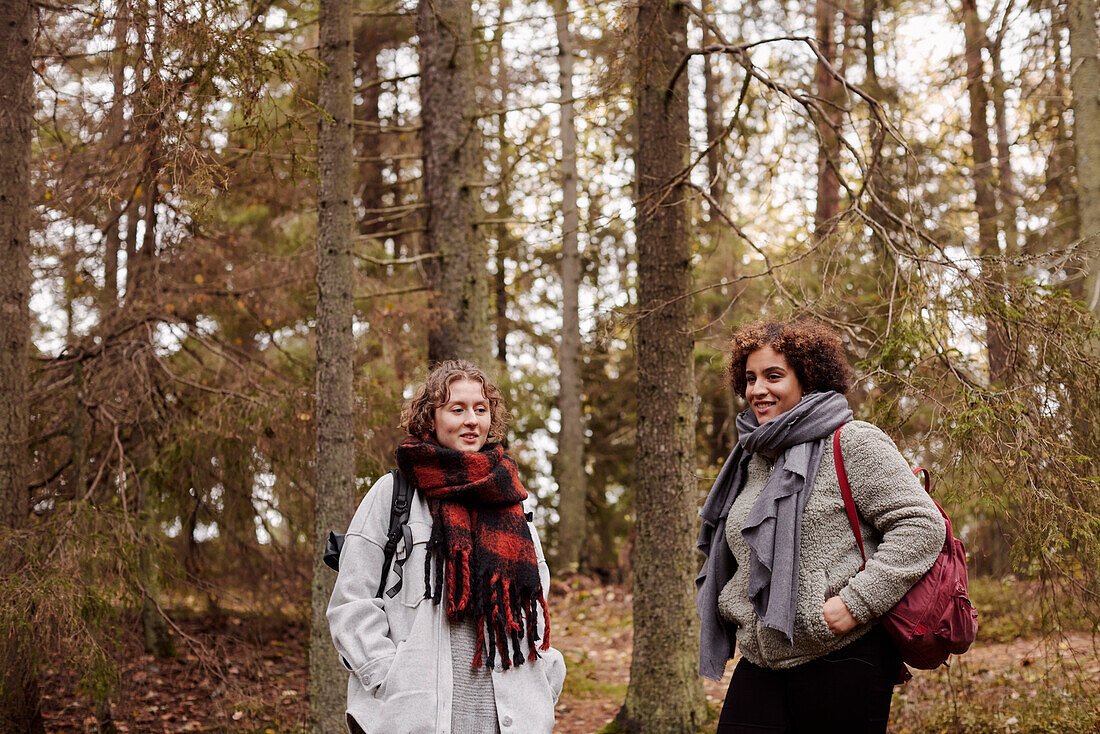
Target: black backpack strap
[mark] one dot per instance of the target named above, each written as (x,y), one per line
(399,528)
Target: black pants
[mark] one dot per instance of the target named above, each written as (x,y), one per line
(847,690)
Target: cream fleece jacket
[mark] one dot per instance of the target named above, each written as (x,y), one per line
(903,533)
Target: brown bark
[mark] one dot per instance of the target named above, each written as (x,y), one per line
(134,212)
(726,249)
(828,119)
(154,628)
(16,121)
(504,207)
(369,142)
(112,240)
(665,692)
(19,695)
(140,275)
(139,270)
(869,12)
(371,38)
(1084,44)
(133,215)
(334,492)
(449,140)
(1006,190)
(1059,165)
(114,133)
(847,45)
(569,466)
(985,201)
(714,129)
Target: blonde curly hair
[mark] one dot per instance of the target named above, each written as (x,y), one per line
(418,415)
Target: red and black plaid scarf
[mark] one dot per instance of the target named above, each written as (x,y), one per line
(478,525)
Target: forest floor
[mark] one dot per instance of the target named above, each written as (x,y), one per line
(248,673)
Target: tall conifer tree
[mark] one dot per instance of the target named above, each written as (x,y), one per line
(449,138)
(335,463)
(1084,43)
(665,694)
(569,466)
(985,201)
(19,697)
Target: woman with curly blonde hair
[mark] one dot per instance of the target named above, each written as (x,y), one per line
(463,645)
(784,579)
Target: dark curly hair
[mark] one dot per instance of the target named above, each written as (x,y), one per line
(813,351)
(418,415)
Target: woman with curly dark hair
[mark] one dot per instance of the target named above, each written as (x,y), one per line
(784,579)
(462,645)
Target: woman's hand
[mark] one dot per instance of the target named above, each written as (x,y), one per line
(837,616)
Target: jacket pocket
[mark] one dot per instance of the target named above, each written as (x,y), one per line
(811,618)
(408,693)
(552,663)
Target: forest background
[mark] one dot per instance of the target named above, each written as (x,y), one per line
(235,233)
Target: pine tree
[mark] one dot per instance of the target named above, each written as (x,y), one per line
(665,693)
(449,139)
(334,491)
(569,465)
(19,696)
(1084,45)
(985,202)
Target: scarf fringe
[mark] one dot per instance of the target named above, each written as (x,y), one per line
(458,579)
(509,618)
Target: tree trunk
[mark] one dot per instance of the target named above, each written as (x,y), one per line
(828,184)
(847,37)
(112,240)
(569,465)
(665,693)
(501,300)
(869,12)
(140,270)
(154,628)
(334,491)
(133,215)
(134,212)
(1059,165)
(985,201)
(504,207)
(1007,195)
(367,44)
(1084,46)
(19,696)
(723,406)
(715,181)
(449,138)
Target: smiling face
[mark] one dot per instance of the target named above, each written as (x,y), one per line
(771,385)
(462,422)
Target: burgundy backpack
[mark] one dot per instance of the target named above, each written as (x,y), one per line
(935,618)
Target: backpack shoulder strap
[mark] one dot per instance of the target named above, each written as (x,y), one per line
(399,528)
(846,493)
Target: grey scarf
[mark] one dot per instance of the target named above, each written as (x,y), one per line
(773,528)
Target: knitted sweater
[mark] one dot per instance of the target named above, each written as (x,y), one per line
(473,703)
(902,533)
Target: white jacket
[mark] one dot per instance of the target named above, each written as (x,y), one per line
(398,648)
